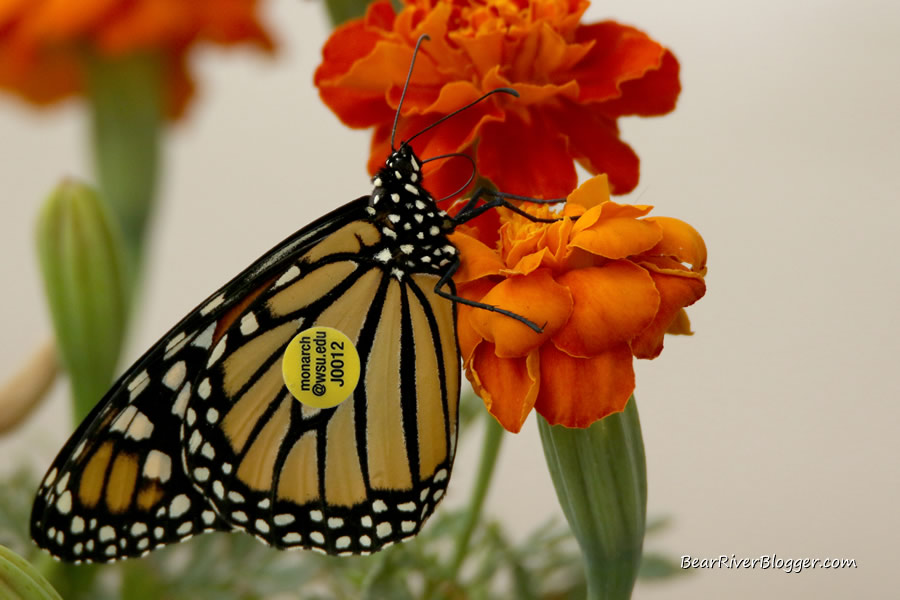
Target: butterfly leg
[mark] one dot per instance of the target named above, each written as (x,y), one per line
(446,278)
(470,210)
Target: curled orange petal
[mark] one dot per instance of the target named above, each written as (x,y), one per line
(592,192)
(611,306)
(617,237)
(680,241)
(508,386)
(536,297)
(575,392)
(675,292)
(476,259)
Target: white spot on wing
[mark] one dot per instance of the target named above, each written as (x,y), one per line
(175,375)
(289,275)
(175,344)
(106,533)
(249,324)
(158,465)
(204,340)
(283,519)
(383,529)
(181,400)
(212,304)
(141,427)
(77,525)
(218,351)
(123,420)
(180,505)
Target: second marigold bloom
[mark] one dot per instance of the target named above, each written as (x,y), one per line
(604,287)
(44,43)
(575,81)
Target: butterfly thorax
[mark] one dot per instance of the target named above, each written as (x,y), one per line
(414,229)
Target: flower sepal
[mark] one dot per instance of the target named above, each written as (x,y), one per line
(19,580)
(82,262)
(600,476)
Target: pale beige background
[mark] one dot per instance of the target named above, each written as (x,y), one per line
(773,430)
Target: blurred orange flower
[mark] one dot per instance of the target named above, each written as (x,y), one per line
(575,81)
(43,43)
(605,287)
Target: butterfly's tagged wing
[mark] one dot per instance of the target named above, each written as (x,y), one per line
(201,433)
(357,477)
(118,487)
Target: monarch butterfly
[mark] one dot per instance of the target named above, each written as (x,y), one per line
(201,434)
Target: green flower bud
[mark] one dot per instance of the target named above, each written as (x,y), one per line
(81,258)
(21,581)
(600,476)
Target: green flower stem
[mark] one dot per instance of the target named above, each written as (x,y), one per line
(493,436)
(341,11)
(126,102)
(80,254)
(600,477)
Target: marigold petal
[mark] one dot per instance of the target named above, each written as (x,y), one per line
(617,237)
(656,93)
(576,392)
(476,259)
(619,54)
(611,306)
(675,292)
(466,334)
(681,242)
(538,298)
(529,159)
(680,325)
(592,192)
(485,50)
(508,386)
(594,142)
(56,21)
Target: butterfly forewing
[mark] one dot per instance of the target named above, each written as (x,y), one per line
(353,478)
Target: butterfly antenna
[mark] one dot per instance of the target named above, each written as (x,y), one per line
(454,155)
(502,90)
(412,63)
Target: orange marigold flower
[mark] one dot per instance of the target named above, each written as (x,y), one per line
(605,287)
(43,42)
(575,81)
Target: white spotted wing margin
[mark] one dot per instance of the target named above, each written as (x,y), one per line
(118,488)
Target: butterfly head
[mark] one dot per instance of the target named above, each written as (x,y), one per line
(400,177)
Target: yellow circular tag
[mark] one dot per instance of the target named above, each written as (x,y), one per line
(320,367)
